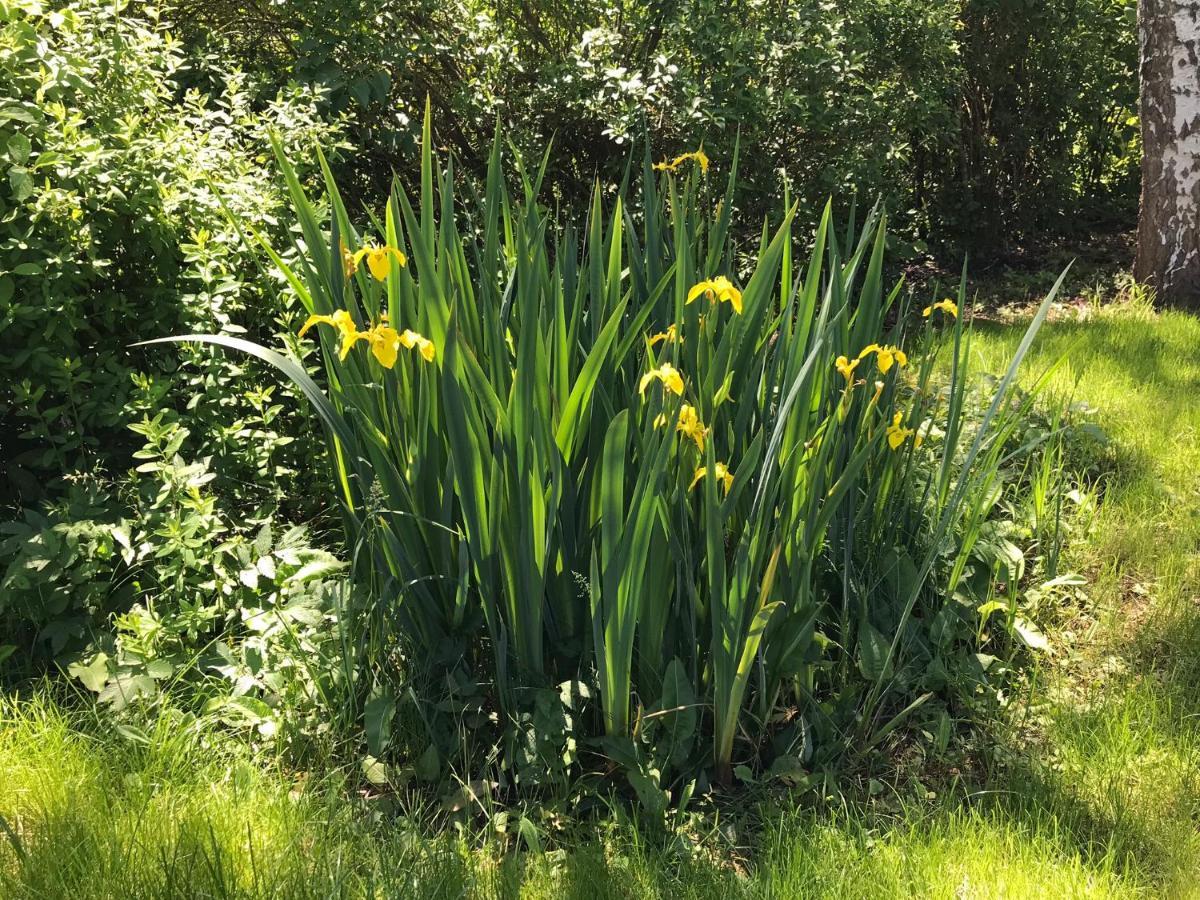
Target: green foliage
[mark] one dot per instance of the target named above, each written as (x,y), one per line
(248,619)
(521,518)
(982,122)
(111,229)
(114,227)
(547,584)
(1047,136)
(62,568)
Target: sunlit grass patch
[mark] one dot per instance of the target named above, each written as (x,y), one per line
(1123,733)
(948,853)
(177,816)
(168,813)
(89,813)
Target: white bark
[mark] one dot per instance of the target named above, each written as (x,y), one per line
(1169,225)
(1183,153)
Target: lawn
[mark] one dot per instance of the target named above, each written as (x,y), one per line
(1098,793)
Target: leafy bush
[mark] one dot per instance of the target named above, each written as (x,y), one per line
(186,595)
(112,229)
(1047,137)
(969,116)
(600,498)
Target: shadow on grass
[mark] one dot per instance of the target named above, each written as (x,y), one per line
(1103,348)
(1165,654)
(1118,775)
(1095,822)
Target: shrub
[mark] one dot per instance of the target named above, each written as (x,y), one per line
(620,487)
(111,230)
(1046,141)
(162,587)
(966,115)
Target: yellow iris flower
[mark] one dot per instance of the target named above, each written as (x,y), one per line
(868,350)
(720,470)
(720,289)
(897,434)
(667,374)
(342,321)
(378,260)
(385,342)
(888,356)
(697,156)
(688,424)
(410,339)
(846,367)
(885,356)
(668,335)
(948,306)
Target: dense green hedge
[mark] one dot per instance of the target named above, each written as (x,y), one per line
(985,123)
(112,231)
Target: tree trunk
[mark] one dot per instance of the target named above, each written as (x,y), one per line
(1168,240)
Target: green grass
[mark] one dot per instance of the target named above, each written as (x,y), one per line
(1123,726)
(1103,801)
(170,816)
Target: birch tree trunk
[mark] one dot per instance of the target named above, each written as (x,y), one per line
(1168,240)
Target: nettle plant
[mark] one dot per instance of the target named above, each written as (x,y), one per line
(618,490)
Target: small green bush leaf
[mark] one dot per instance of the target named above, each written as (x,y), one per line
(94,674)
(21,183)
(377,718)
(18,148)
(1030,636)
(675,715)
(374,771)
(127,688)
(873,659)
(429,765)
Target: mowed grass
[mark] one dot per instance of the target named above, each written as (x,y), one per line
(1123,725)
(1104,802)
(91,816)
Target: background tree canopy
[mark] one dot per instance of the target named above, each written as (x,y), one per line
(983,123)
